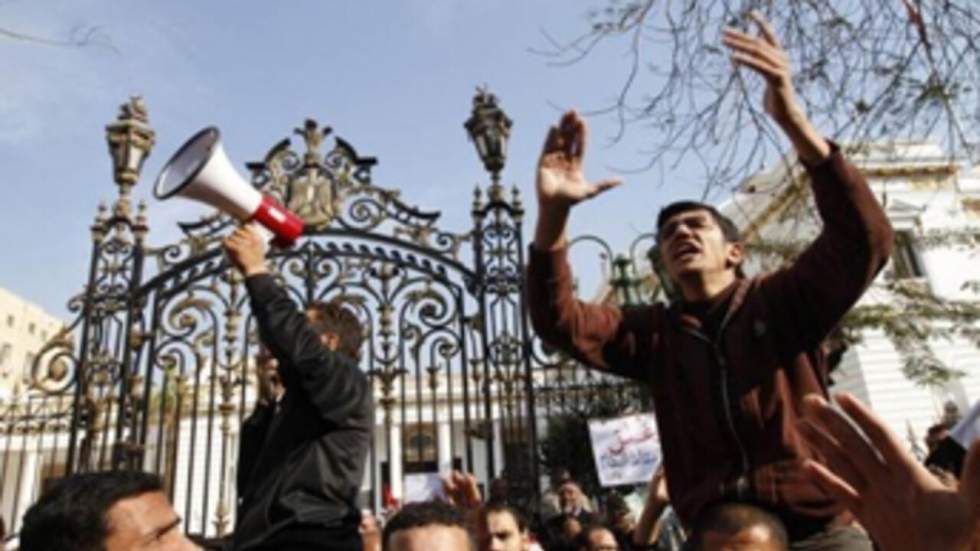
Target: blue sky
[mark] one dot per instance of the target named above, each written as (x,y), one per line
(395,79)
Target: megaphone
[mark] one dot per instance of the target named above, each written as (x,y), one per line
(200,170)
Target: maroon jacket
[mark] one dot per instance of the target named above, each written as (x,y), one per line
(727,409)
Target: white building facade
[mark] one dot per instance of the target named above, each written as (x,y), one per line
(24,328)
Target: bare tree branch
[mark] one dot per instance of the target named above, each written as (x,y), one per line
(79,37)
(864,69)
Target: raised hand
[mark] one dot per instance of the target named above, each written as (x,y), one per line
(246,250)
(560,179)
(902,505)
(766,56)
(461,490)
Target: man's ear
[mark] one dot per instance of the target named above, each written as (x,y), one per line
(734,254)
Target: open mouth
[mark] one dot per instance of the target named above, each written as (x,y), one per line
(685,251)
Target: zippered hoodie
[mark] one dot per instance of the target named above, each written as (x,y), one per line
(727,407)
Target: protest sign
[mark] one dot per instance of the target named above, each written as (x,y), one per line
(422,487)
(967,431)
(626,449)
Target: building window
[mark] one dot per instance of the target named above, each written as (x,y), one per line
(4,354)
(30,328)
(29,362)
(419,443)
(905,260)
(10,320)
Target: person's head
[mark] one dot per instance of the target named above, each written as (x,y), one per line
(619,516)
(267,372)
(427,525)
(338,327)
(570,497)
(558,476)
(596,537)
(699,246)
(370,531)
(571,527)
(737,527)
(498,490)
(110,511)
(506,528)
(935,435)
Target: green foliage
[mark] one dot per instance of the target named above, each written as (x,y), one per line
(913,319)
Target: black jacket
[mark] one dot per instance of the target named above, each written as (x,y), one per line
(301,467)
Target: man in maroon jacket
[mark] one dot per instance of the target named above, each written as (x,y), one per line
(730,362)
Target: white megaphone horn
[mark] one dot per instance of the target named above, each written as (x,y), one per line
(200,170)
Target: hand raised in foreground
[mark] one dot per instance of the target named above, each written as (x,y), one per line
(246,250)
(902,505)
(461,490)
(560,180)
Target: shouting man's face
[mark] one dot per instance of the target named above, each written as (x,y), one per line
(692,244)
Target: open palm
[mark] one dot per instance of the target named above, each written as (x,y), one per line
(560,180)
(902,505)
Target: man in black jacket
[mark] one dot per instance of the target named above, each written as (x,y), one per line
(302,453)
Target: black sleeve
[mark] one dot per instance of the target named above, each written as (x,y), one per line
(948,455)
(251,437)
(331,382)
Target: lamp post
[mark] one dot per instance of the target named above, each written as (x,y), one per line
(130,140)
(489,128)
(623,281)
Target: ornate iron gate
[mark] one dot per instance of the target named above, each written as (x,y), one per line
(157,370)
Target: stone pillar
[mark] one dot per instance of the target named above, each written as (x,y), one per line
(395,461)
(445,457)
(27,492)
(945,268)
(498,446)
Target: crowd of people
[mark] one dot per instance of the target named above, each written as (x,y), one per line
(894,497)
(755,455)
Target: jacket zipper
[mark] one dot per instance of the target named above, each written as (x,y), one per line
(741,484)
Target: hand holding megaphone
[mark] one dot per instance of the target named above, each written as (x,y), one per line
(246,248)
(200,170)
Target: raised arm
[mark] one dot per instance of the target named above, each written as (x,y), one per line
(561,182)
(601,336)
(649,526)
(810,298)
(332,382)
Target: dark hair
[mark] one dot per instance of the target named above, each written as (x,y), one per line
(731,518)
(728,228)
(73,514)
(421,514)
(938,427)
(582,539)
(331,317)
(501,507)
